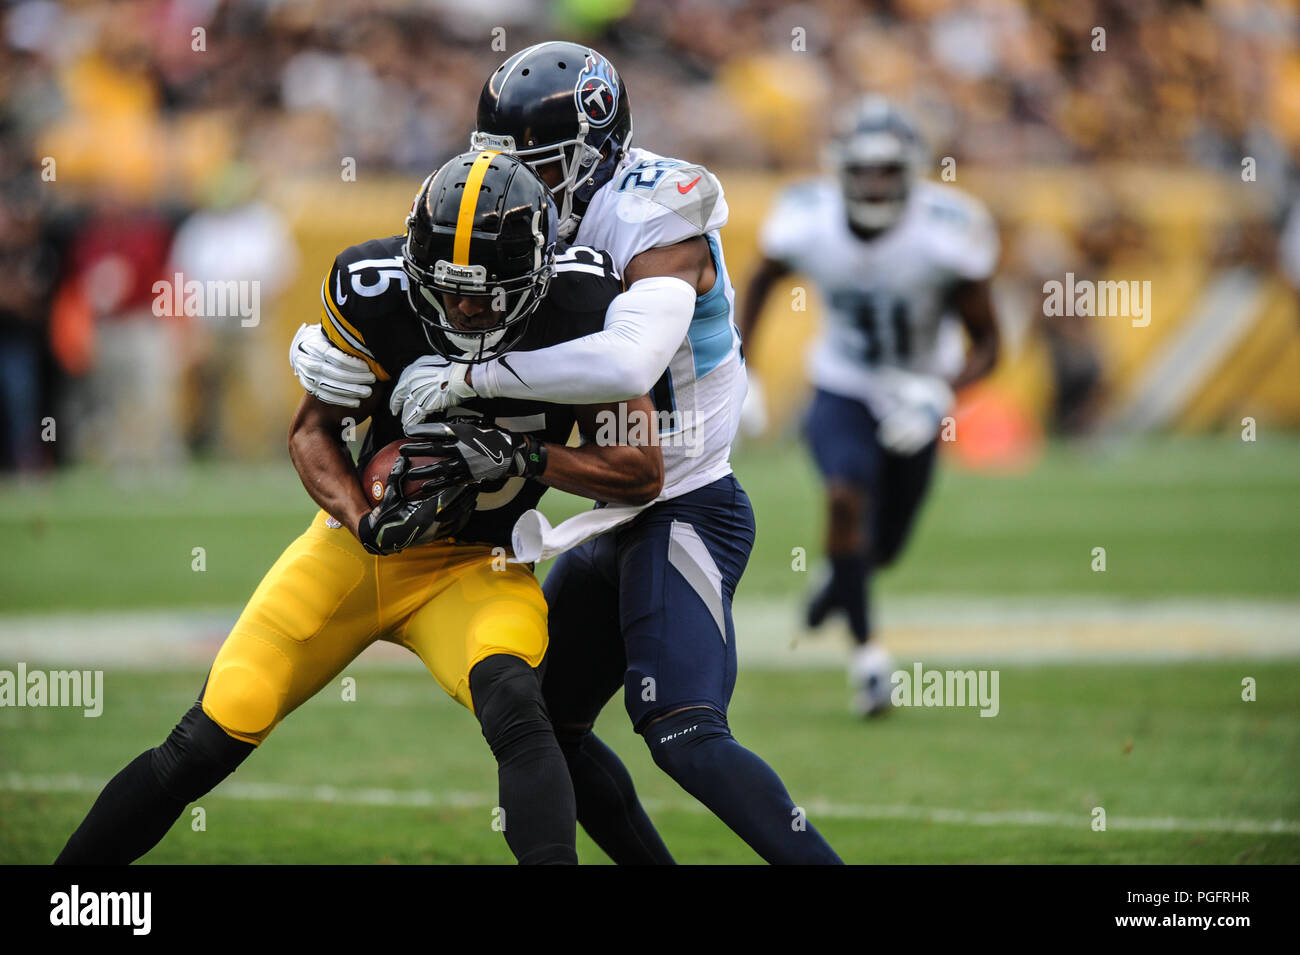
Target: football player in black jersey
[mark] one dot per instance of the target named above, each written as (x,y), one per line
(474,276)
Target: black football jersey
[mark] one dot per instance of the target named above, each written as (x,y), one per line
(367,314)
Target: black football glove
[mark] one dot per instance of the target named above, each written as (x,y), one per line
(397,522)
(473,453)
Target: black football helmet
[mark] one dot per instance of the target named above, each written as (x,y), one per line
(482,225)
(558,102)
(877,154)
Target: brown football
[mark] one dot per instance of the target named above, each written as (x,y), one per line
(374,479)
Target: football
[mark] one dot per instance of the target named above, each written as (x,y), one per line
(374,477)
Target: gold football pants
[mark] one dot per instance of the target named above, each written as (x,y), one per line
(326,599)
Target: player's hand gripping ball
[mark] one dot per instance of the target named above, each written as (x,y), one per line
(467,451)
(409,509)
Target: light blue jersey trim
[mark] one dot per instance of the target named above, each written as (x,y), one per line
(710,331)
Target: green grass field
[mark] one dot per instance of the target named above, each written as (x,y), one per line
(1145,743)
(1177,518)
(1185,770)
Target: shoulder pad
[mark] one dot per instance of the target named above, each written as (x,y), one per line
(963,234)
(585,280)
(795,227)
(687,189)
(949,204)
(804,190)
(805,198)
(364,285)
(367,276)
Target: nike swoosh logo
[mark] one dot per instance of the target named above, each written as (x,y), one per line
(496,458)
(506,365)
(339,297)
(689,187)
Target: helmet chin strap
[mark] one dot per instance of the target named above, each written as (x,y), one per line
(475,345)
(568,229)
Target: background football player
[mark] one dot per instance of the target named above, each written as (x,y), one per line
(473,276)
(893,255)
(663,582)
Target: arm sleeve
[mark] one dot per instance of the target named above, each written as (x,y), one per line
(644,326)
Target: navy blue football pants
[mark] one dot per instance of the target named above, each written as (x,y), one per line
(647,607)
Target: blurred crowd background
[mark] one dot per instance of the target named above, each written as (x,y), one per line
(250,140)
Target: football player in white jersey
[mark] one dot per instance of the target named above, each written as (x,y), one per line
(896,259)
(645,606)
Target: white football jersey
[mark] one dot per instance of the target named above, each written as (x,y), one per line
(886,297)
(651,202)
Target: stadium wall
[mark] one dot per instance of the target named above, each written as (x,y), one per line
(1221,343)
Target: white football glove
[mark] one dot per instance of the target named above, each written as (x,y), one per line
(429,385)
(329,373)
(920,403)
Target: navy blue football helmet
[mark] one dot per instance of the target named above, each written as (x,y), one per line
(559,103)
(877,154)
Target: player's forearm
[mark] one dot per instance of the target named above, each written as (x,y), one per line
(325,467)
(981,358)
(643,328)
(973,302)
(620,474)
(756,292)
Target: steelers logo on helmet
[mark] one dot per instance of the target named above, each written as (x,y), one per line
(596,92)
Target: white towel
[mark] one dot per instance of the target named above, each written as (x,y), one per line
(534,538)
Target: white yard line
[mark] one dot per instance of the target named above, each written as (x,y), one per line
(769,633)
(427,799)
(1031,630)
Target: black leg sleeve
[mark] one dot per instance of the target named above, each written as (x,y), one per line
(608,807)
(536,795)
(140,803)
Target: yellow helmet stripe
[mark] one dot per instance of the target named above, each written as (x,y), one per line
(468,203)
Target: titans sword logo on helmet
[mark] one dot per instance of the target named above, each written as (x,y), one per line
(596,92)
